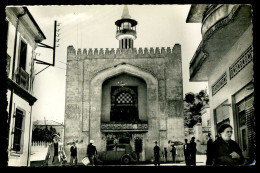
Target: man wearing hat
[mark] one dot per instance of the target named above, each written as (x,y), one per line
(55,152)
(73,154)
(91,152)
(156,150)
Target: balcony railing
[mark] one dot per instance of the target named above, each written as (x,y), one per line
(124,126)
(22,78)
(126,31)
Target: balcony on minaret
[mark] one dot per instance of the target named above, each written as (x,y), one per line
(126,30)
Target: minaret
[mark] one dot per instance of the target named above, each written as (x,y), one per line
(126,30)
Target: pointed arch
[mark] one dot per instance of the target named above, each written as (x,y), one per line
(95,95)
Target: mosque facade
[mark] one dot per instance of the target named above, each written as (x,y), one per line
(124,95)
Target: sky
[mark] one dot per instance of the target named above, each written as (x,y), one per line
(93,26)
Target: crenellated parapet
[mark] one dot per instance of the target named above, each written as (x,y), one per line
(119,53)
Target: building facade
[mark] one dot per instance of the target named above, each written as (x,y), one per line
(224,58)
(22,33)
(124,95)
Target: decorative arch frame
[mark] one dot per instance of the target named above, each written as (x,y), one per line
(95,97)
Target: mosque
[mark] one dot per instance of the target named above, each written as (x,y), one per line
(124,95)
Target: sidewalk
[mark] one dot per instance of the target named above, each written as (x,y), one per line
(200,161)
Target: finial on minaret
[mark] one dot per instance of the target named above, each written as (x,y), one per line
(125,14)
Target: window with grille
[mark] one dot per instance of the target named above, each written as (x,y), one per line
(124,98)
(124,104)
(17,146)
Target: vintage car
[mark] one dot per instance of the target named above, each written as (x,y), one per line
(118,153)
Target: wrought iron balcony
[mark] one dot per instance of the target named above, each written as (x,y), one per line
(111,126)
(22,78)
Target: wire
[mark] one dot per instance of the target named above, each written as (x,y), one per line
(63,62)
(60,68)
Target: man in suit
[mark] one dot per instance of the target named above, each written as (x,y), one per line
(193,150)
(55,154)
(186,152)
(209,150)
(156,150)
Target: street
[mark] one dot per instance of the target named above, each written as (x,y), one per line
(200,161)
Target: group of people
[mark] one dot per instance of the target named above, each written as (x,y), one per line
(223,151)
(164,153)
(56,155)
(190,150)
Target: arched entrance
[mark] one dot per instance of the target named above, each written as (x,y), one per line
(100,111)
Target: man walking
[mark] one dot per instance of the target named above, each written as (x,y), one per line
(91,152)
(73,154)
(156,150)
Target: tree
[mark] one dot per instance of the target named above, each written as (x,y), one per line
(43,134)
(193,103)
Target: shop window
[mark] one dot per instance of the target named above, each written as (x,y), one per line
(221,114)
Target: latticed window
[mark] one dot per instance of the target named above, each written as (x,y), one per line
(124,104)
(124,98)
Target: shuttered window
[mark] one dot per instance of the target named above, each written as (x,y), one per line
(246,122)
(18,131)
(250,122)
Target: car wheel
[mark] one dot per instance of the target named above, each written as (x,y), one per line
(126,160)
